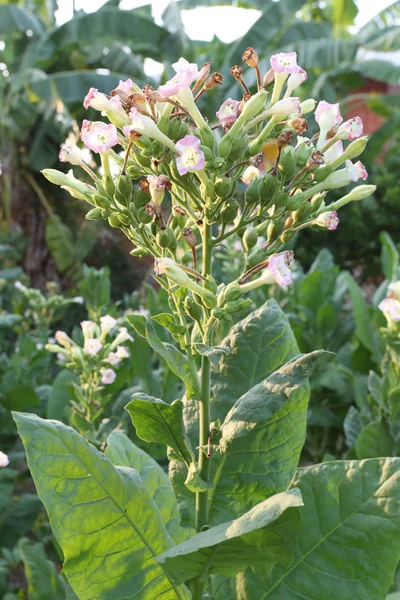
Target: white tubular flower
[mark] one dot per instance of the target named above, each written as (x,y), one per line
(146,126)
(391,309)
(112,107)
(107,376)
(88,329)
(4,460)
(250,174)
(107,323)
(278,269)
(113,359)
(123,336)
(287,106)
(64,340)
(71,154)
(92,346)
(327,115)
(69,182)
(122,352)
(334,152)
(351,129)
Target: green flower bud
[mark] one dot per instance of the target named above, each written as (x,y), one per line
(165,237)
(301,214)
(143,216)
(193,309)
(108,185)
(176,274)
(302,154)
(141,252)
(237,305)
(95,213)
(229,293)
(287,236)
(229,211)
(114,221)
(140,198)
(275,229)
(223,186)
(251,195)
(101,201)
(123,192)
(143,161)
(268,188)
(287,162)
(249,239)
(295,201)
(133,171)
(317,201)
(124,218)
(358,193)
(281,199)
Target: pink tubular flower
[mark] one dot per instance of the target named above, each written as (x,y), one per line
(107,323)
(98,136)
(186,73)
(107,376)
(122,352)
(89,97)
(4,461)
(228,112)
(391,308)
(125,87)
(88,329)
(92,346)
(295,79)
(329,220)
(361,170)
(113,359)
(191,158)
(146,126)
(156,187)
(284,62)
(334,152)
(278,269)
(351,129)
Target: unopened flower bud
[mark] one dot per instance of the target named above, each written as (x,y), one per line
(268,78)
(286,106)
(358,193)
(249,239)
(307,106)
(204,73)
(167,267)
(250,57)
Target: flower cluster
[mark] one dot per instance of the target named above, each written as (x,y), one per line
(252,174)
(101,350)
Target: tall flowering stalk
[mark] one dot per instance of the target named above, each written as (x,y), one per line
(249,174)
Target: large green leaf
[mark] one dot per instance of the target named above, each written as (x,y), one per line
(262,438)
(157,421)
(230,547)
(60,394)
(44,582)
(124,453)
(349,543)
(380,70)
(102,516)
(141,34)
(16,18)
(375,441)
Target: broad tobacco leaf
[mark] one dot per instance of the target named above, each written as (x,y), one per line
(262,438)
(349,543)
(103,517)
(124,453)
(258,345)
(228,548)
(44,582)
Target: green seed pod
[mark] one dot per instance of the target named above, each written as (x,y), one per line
(294,202)
(143,216)
(143,161)
(114,221)
(287,162)
(268,188)
(317,201)
(229,211)
(123,192)
(139,252)
(275,229)
(207,190)
(223,186)
(95,213)
(140,198)
(251,195)
(255,257)
(101,201)
(302,154)
(210,284)
(133,171)
(218,164)
(207,137)
(287,236)
(249,239)
(225,145)
(302,213)
(281,199)
(165,237)
(105,213)
(108,185)
(193,309)
(124,218)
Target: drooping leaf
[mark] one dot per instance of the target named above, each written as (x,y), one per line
(214,353)
(228,548)
(124,453)
(348,546)
(157,421)
(44,582)
(102,516)
(262,437)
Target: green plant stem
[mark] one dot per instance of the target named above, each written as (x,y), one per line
(204,412)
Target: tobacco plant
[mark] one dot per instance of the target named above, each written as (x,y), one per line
(235,518)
